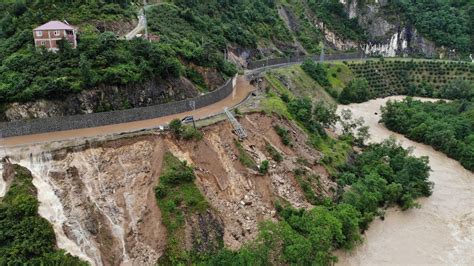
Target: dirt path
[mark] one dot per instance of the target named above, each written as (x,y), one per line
(441,232)
(241,91)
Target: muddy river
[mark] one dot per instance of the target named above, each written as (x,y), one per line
(441,232)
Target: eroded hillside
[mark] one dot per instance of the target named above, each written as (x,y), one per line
(108,210)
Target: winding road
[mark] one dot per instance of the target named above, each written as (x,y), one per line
(241,91)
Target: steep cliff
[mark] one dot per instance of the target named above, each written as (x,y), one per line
(388,33)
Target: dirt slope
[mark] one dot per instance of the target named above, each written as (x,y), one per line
(106,190)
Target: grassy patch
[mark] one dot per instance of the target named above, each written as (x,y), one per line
(273,104)
(301,84)
(244,157)
(335,152)
(339,75)
(178,198)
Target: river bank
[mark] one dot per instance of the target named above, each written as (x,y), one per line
(441,232)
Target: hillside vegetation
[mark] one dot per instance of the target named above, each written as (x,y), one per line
(25,237)
(446,126)
(448,23)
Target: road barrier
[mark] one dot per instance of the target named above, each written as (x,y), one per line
(296,59)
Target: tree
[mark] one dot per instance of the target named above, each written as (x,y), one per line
(325,113)
(176,128)
(356,91)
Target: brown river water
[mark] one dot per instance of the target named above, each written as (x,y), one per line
(441,232)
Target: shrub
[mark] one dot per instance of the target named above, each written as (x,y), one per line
(176,128)
(263,169)
(284,134)
(274,153)
(356,91)
(316,71)
(190,132)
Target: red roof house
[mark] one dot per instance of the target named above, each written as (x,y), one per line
(48,34)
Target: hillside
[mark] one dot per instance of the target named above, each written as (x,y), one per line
(201,44)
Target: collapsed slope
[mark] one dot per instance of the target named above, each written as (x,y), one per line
(106,190)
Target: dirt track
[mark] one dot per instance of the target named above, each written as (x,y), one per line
(241,91)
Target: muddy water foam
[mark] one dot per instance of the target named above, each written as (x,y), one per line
(441,232)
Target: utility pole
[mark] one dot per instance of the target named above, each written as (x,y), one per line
(321,56)
(145,21)
(192,104)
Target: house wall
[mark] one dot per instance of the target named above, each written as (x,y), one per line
(50,39)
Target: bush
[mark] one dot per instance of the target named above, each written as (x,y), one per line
(263,169)
(356,91)
(274,153)
(316,71)
(176,128)
(284,134)
(190,132)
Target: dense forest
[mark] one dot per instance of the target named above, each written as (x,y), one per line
(446,126)
(448,23)
(101,58)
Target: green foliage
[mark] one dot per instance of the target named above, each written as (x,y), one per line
(30,74)
(200,30)
(325,113)
(178,198)
(332,13)
(244,157)
(385,173)
(458,89)
(446,126)
(176,128)
(316,71)
(274,153)
(447,23)
(302,110)
(263,168)
(190,133)
(357,91)
(25,237)
(415,78)
(284,135)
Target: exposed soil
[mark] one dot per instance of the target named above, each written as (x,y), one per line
(108,210)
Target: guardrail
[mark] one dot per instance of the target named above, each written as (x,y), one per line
(52,124)
(296,59)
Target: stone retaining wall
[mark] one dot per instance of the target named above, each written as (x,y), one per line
(45,125)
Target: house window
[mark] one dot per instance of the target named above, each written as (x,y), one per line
(43,43)
(39,33)
(56,33)
(69,32)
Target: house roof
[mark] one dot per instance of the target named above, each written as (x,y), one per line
(55,25)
